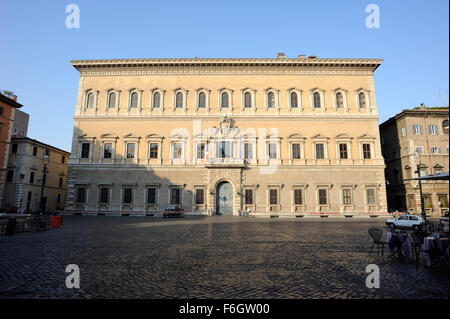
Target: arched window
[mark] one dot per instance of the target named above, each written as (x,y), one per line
(179,100)
(294,101)
(90,100)
(247,99)
(316,100)
(271,100)
(112,100)
(445,126)
(201,100)
(224,99)
(339,100)
(134,98)
(156,100)
(362,100)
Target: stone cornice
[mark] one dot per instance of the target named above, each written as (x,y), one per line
(140,64)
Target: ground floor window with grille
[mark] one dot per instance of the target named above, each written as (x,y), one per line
(273,196)
(127,195)
(151,195)
(443,200)
(81,194)
(347,196)
(175,196)
(298,198)
(323,197)
(427,201)
(248,200)
(104,195)
(199,196)
(370,194)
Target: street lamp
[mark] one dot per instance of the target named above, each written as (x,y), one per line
(44,178)
(422,206)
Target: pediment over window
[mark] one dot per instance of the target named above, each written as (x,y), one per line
(103,136)
(225,89)
(362,90)
(317,89)
(296,137)
(438,166)
(343,137)
(86,137)
(248,89)
(339,89)
(154,137)
(366,137)
(177,136)
(131,136)
(319,136)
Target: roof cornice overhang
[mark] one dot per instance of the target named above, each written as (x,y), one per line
(370,64)
(418,113)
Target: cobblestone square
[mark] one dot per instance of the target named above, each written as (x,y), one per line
(208,257)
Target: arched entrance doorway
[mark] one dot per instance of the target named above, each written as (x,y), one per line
(224,199)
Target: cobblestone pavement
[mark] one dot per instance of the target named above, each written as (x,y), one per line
(210,257)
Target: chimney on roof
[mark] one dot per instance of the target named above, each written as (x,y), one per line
(14,97)
(312,57)
(281,56)
(302,56)
(422,106)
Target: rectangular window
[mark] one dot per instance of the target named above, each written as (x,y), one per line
(403,131)
(370,192)
(60,182)
(443,200)
(175,196)
(419,149)
(437,170)
(107,150)
(366,151)
(9,176)
(201,150)
(127,195)
(343,151)
(427,201)
(177,150)
(81,194)
(432,129)
(58,198)
(423,172)
(31,177)
(320,153)
(29,196)
(249,197)
(273,197)
(248,151)
(63,159)
(417,129)
(85,147)
(1,110)
(405,151)
(347,196)
(35,149)
(47,154)
(296,151)
(435,150)
(104,195)
(298,198)
(130,150)
(14,148)
(272,150)
(199,196)
(323,197)
(153,150)
(223,150)
(151,195)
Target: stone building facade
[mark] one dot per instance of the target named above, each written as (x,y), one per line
(290,136)
(413,139)
(25,174)
(8,108)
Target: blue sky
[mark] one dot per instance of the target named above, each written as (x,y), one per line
(36,46)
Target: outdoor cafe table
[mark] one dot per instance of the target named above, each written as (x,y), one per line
(438,244)
(401,241)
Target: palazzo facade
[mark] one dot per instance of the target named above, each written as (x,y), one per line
(275,135)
